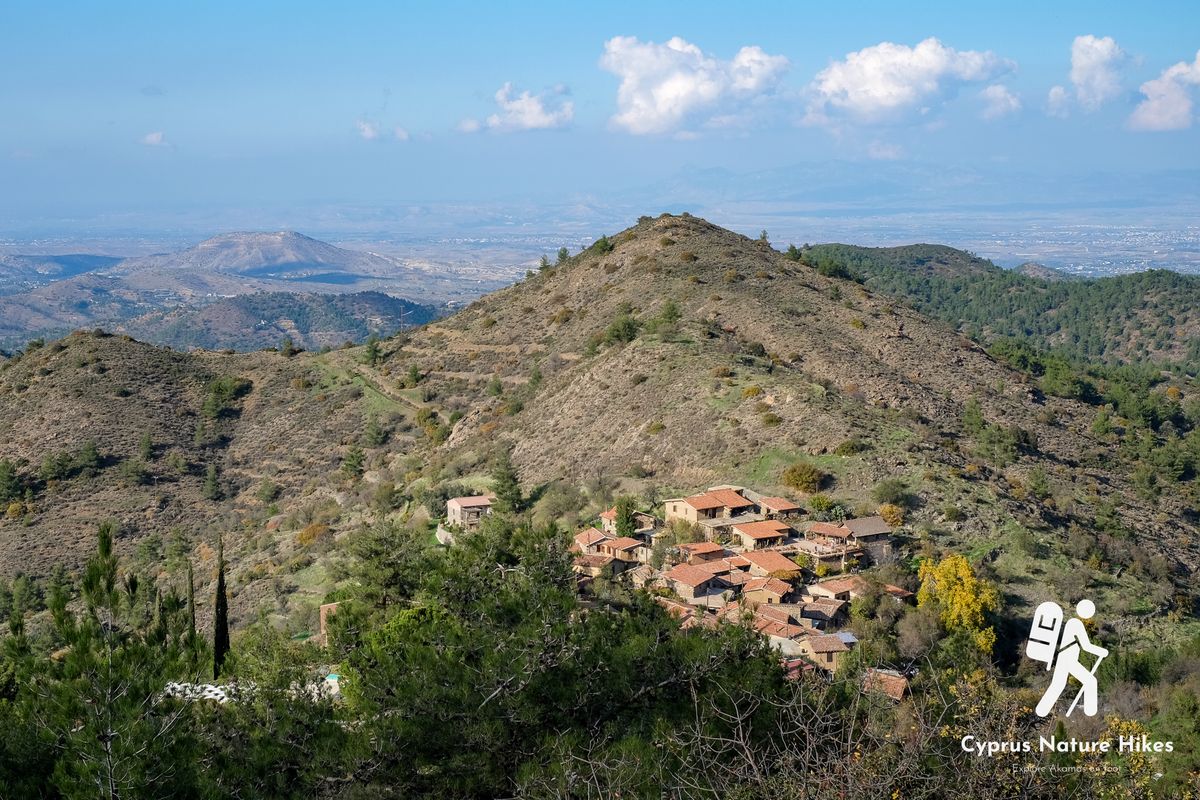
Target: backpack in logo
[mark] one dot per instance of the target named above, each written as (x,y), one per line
(1044,633)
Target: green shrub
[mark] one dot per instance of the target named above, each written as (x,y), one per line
(804,477)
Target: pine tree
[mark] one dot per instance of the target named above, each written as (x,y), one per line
(563,255)
(220,614)
(212,483)
(146,447)
(372,354)
(506,486)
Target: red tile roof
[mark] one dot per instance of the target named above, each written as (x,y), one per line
(829,529)
(703,502)
(772,585)
(688,575)
(764,529)
(778,504)
(855,584)
(624,543)
(473,501)
(771,561)
(729,498)
(893,684)
(783,630)
(589,536)
(828,643)
(611,514)
(700,548)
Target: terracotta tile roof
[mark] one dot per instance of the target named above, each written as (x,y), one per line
(624,543)
(897,592)
(610,515)
(794,668)
(772,585)
(763,529)
(778,504)
(774,613)
(771,561)
(891,683)
(868,526)
(589,536)
(854,584)
(828,643)
(700,548)
(781,629)
(473,501)
(729,498)
(718,566)
(829,529)
(703,502)
(736,577)
(688,575)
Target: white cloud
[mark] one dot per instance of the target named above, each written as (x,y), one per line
(367,129)
(1058,102)
(886,80)
(154,139)
(999,101)
(1168,103)
(1095,72)
(528,111)
(401,134)
(469,126)
(667,86)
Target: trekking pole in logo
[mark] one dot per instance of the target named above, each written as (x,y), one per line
(1060,646)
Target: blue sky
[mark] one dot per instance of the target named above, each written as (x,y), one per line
(125,111)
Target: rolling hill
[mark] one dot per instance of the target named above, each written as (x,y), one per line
(1153,315)
(225,266)
(670,356)
(257,321)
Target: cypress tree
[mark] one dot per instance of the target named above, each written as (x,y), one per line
(191,604)
(626,522)
(220,614)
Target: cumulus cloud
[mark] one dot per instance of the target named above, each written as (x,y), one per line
(999,101)
(887,80)
(469,126)
(1095,65)
(401,134)
(527,111)
(1168,103)
(367,129)
(667,86)
(154,139)
(1058,102)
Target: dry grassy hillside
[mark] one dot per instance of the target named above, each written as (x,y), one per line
(768,362)
(669,357)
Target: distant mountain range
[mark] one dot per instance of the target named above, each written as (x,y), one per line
(257,321)
(52,295)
